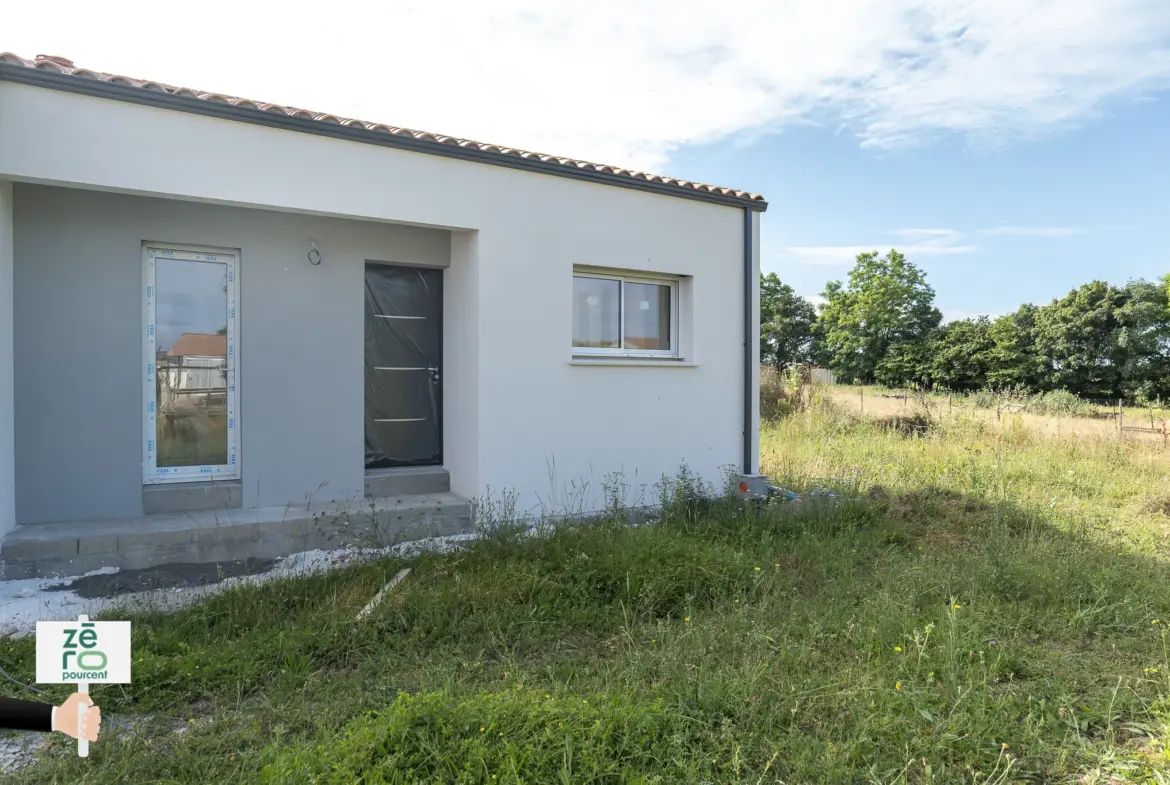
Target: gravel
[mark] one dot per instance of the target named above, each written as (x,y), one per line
(170,587)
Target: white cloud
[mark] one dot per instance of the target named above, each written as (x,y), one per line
(922,242)
(628,81)
(1034,231)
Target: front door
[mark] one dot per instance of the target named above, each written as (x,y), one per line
(404,352)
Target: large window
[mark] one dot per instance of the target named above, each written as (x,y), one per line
(189,420)
(625,315)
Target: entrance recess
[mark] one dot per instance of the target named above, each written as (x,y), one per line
(404,353)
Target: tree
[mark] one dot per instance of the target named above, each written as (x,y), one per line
(1012,360)
(955,356)
(1144,339)
(786,321)
(819,354)
(906,365)
(1079,338)
(885,303)
(960,354)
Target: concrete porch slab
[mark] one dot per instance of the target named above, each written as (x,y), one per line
(75,547)
(407,480)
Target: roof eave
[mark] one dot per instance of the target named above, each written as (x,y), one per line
(246,114)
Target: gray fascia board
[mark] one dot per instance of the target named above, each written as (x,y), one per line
(246,114)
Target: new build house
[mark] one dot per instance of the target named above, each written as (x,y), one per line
(223,322)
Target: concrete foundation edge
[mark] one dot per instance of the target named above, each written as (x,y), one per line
(75,555)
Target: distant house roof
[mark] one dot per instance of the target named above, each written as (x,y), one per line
(199,345)
(421,141)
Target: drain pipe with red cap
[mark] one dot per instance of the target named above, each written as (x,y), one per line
(750,483)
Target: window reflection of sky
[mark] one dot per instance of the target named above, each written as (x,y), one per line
(190,297)
(596,319)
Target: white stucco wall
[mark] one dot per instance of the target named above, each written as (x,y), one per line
(461,365)
(521,415)
(7,450)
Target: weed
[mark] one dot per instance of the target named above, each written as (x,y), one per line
(905,424)
(993,610)
(1157,505)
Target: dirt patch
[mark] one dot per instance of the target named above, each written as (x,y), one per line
(877,405)
(1159,505)
(167,576)
(935,504)
(905,424)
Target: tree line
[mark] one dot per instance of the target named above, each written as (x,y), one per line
(881,325)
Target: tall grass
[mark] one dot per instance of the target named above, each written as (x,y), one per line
(1052,403)
(980,606)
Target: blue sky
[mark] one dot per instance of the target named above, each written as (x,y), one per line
(1021,222)
(1012,148)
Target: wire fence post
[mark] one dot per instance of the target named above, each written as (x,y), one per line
(861,394)
(1120,418)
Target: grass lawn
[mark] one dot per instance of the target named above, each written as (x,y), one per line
(993,611)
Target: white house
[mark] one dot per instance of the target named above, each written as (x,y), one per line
(401,315)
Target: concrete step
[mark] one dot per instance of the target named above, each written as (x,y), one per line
(407,480)
(171,497)
(75,547)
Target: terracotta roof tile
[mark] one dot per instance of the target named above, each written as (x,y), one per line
(65,66)
(199,345)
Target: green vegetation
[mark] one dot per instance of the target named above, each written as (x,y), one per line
(786,324)
(886,304)
(1098,341)
(1057,403)
(990,607)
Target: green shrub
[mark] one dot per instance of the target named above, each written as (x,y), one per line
(1057,403)
(983,399)
(1060,403)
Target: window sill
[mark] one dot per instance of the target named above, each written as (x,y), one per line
(654,362)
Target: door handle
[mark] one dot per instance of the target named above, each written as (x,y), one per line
(434,374)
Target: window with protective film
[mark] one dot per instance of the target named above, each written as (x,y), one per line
(190,428)
(625,315)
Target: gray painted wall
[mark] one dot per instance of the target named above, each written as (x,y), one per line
(7,502)
(78,320)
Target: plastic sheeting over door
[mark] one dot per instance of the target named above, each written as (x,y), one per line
(404,342)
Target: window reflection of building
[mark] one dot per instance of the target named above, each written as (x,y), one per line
(193,370)
(192,400)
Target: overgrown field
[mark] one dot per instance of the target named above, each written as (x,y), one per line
(1052,413)
(992,607)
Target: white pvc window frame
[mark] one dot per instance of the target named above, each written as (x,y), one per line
(152,473)
(623,278)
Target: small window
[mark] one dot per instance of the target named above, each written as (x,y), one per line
(625,315)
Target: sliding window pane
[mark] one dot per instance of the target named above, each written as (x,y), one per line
(596,314)
(191,317)
(647,309)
